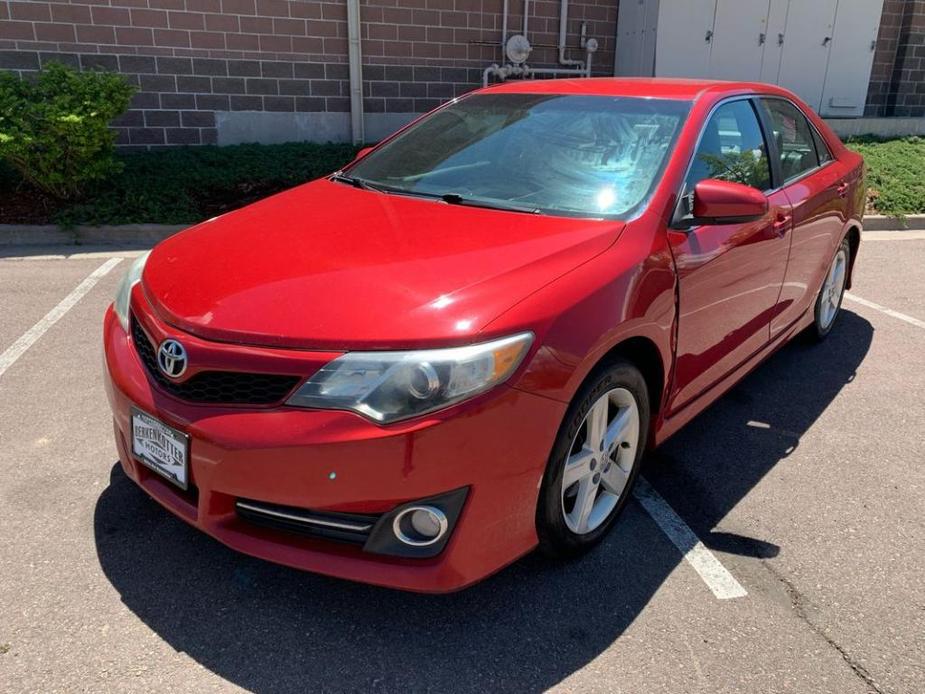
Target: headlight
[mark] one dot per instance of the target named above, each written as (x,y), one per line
(389,386)
(125,289)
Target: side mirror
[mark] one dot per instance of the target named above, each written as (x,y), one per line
(362,153)
(725,202)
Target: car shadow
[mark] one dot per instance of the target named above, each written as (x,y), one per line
(268,628)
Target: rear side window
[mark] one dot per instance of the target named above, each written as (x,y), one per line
(794,137)
(822,149)
(731,148)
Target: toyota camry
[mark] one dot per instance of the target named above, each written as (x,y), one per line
(457,348)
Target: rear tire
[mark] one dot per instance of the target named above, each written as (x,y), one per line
(828,303)
(594,462)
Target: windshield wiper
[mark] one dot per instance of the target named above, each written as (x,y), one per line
(363,184)
(457,199)
(451,198)
(355,182)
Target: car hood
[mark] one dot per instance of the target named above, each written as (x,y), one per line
(328,266)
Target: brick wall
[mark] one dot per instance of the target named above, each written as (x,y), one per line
(897,80)
(192,59)
(197,62)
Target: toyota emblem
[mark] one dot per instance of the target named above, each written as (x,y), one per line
(171,358)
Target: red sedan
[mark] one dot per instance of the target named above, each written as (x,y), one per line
(457,348)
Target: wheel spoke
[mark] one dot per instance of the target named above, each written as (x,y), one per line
(838,275)
(614,479)
(577,467)
(618,430)
(584,503)
(838,279)
(597,423)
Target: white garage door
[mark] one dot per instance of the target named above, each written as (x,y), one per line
(684,34)
(821,49)
(807,42)
(636,36)
(739,35)
(851,57)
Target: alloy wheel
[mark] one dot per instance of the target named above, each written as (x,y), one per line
(600,461)
(832,289)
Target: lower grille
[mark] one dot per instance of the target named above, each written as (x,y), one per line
(215,387)
(344,527)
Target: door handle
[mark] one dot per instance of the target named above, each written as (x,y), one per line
(842,190)
(781,223)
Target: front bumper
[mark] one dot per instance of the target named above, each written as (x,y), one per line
(496,446)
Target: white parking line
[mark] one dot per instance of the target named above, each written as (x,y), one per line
(31,254)
(715,575)
(18,348)
(883,309)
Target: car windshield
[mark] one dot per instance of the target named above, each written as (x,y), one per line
(592,156)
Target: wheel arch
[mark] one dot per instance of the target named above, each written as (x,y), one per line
(853,234)
(645,355)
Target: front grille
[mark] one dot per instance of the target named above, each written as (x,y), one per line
(344,527)
(214,387)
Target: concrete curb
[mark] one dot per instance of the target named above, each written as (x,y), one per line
(114,235)
(128,235)
(880,222)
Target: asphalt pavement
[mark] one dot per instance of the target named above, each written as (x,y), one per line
(805,484)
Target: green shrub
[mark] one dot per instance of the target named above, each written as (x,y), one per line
(184,185)
(55,129)
(895,173)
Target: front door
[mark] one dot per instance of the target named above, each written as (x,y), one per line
(729,275)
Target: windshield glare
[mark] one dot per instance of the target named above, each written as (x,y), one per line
(586,155)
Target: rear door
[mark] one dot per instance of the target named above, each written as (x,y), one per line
(816,188)
(729,275)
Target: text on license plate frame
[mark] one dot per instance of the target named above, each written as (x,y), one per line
(178,439)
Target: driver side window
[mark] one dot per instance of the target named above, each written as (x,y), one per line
(731,148)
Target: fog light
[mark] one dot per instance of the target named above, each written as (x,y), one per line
(420,526)
(418,529)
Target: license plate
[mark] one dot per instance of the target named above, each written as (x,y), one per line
(162,448)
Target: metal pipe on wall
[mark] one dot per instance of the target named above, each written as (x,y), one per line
(355,65)
(504,29)
(563,31)
(578,68)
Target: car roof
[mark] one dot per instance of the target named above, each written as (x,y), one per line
(656,87)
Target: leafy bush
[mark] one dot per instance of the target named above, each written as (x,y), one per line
(188,184)
(55,129)
(895,174)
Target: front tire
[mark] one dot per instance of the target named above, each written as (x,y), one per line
(594,462)
(828,303)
